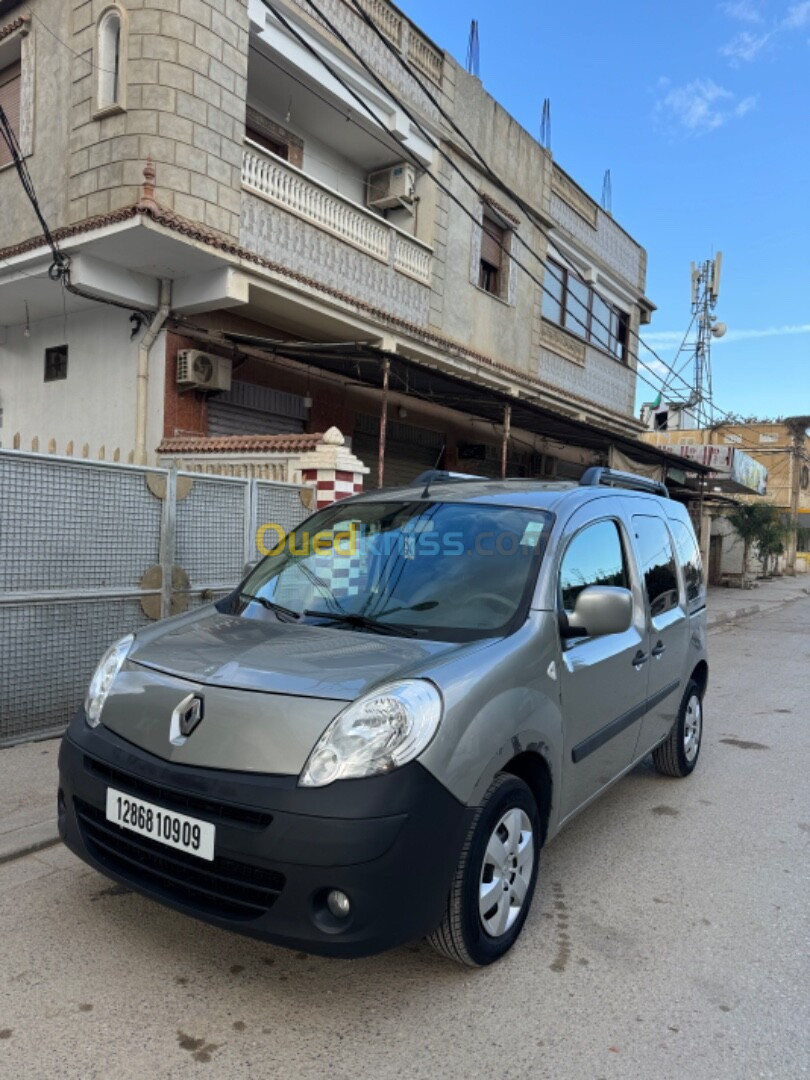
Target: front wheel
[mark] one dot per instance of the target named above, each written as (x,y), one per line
(677,755)
(494,883)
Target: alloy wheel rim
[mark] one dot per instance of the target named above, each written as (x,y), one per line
(692,728)
(506,872)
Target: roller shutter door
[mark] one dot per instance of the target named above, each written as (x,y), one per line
(247,409)
(409,450)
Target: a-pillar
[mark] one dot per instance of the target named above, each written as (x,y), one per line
(332,469)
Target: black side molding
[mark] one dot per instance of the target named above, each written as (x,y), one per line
(615,727)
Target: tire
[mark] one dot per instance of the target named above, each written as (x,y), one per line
(678,754)
(509,810)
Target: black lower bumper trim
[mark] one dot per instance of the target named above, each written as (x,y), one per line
(390,843)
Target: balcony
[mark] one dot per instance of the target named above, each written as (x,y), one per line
(278,182)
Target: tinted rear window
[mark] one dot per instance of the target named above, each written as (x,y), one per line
(691,564)
(657,564)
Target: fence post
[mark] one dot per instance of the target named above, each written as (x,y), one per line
(167,524)
(251,520)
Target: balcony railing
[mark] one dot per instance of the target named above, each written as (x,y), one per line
(404,36)
(279,182)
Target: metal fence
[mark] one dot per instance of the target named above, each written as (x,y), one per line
(91,550)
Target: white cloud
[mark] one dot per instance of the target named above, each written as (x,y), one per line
(701,106)
(744,10)
(746,105)
(669,340)
(798,16)
(745,46)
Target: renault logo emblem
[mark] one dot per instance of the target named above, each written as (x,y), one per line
(185,719)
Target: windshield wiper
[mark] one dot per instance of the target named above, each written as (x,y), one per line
(279,609)
(364,622)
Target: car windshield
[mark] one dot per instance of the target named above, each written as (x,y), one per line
(451,571)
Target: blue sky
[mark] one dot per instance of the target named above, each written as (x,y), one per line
(701,111)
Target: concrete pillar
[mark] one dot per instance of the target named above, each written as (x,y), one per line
(332,469)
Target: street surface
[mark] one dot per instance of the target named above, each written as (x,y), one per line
(668,939)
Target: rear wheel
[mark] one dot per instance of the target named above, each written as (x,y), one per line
(494,883)
(678,753)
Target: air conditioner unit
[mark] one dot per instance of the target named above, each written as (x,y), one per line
(202,370)
(391,187)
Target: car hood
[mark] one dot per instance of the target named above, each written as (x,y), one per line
(277,657)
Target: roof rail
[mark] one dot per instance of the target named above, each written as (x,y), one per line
(441,476)
(601,477)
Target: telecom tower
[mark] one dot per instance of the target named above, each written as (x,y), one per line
(705,290)
(676,409)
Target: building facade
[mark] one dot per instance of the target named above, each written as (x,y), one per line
(782,451)
(221,176)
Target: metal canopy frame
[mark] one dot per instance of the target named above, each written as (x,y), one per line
(384,370)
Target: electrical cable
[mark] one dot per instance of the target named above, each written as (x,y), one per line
(60,267)
(414,120)
(55,36)
(454,198)
(63,268)
(490,173)
(314,52)
(528,210)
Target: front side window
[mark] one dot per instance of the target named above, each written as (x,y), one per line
(691,563)
(449,571)
(594,557)
(657,564)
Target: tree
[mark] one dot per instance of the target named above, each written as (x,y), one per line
(760,525)
(771,542)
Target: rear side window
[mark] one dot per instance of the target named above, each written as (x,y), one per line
(594,557)
(657,564)
(689,558)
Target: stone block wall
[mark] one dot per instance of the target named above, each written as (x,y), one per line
(184,71)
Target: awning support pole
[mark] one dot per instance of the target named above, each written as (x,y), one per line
(383,422)
(507,426)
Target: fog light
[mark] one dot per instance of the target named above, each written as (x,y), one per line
(338,903)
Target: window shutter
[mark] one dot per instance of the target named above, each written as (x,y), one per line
(492,238)
(10,83)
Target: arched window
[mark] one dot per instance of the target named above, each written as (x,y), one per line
(110,60)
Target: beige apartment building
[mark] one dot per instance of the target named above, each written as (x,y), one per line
(269,231)
(782,448)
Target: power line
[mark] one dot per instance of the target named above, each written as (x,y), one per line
(454,198)
(528,210)
(64,44)
(490,173)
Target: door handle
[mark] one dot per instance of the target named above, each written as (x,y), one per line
(659,650)
(639,659)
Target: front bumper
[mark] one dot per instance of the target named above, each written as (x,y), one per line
(391,843)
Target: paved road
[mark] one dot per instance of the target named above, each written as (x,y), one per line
(668,940)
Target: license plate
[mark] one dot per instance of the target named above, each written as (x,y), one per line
(174,830)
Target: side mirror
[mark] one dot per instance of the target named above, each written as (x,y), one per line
(599,610)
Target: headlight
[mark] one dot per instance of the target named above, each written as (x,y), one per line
(376,733)
(109,666)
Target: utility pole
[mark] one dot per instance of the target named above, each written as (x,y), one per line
(797,426)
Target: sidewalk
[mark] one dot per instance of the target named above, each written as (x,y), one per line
(727,605)
(28,773)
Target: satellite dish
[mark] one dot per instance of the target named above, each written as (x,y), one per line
(719,330)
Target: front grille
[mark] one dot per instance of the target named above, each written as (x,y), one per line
(196,805)
(224,887)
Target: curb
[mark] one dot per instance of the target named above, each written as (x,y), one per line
(731,616)
(27,840)
(725,617)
